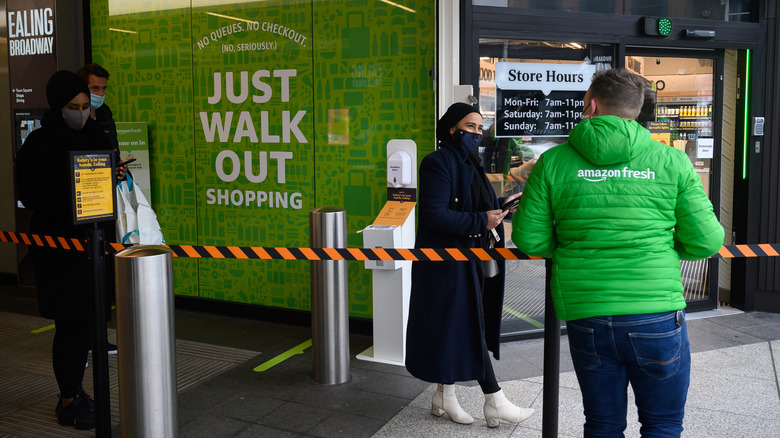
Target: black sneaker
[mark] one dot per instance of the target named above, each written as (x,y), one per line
(80,413)
(87,398)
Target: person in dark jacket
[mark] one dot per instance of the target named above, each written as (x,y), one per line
(61,279)
(96,78)
(455,307)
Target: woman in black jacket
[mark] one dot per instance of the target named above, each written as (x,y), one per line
(455,307)
(43,186)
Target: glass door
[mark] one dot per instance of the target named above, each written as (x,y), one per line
(522,119)
(686,117)
(531,95)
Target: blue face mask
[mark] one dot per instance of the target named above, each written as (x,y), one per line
(95,101)
(468,140)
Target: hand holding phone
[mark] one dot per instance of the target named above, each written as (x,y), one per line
(510,204)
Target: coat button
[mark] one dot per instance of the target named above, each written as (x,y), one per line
(479,235)
(456,200)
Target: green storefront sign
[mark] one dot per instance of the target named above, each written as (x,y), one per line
(260,111)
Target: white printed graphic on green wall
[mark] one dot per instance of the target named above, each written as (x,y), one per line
(253,145)
(260,111)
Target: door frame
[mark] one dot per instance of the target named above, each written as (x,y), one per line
(624,32)
(620,51)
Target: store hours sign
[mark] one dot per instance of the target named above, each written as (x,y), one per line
(539,99)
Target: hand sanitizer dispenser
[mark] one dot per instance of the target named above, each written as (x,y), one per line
(399,169)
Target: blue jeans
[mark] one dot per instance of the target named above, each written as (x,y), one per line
(651,352)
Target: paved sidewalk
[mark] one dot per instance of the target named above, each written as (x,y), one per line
(734,388)
(733,393)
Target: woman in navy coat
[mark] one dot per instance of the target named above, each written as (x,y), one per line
(455,307)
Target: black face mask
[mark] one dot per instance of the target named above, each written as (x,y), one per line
(468,140)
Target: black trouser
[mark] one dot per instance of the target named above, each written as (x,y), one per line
(69,354)
(489,384)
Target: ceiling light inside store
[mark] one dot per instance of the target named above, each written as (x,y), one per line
(121,30)
(124,7)
(231,17)
(398,6)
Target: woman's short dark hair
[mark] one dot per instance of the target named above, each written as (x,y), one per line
(620,92)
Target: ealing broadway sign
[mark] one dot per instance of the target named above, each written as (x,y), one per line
(539,99)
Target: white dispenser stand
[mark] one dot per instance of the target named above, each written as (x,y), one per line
(392,280)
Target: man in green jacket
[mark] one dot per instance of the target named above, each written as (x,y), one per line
(616,212)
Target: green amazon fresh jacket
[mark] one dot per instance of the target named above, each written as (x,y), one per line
(616,212)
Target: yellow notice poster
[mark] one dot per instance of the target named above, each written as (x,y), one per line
(660,131)
(394,213)
(92,181)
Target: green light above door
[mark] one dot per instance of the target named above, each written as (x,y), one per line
(657,26)
(664,26)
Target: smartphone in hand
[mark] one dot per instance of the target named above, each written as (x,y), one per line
(510,204)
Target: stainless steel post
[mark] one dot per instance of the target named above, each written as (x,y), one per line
(147,353)
(329,309)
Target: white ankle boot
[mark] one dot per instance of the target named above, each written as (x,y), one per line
(497,407)
(444,400)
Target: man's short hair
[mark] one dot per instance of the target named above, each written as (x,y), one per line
(92,69)
(619,92)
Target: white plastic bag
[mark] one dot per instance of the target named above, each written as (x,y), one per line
(136,221)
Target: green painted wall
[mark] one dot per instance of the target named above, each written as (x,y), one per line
(289,100)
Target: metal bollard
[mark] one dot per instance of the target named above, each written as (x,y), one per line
(329,309)
(146,344)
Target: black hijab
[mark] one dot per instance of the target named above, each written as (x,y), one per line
(455,113)
(61,88)
(482,192)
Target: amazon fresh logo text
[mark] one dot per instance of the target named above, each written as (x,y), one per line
(596,175)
